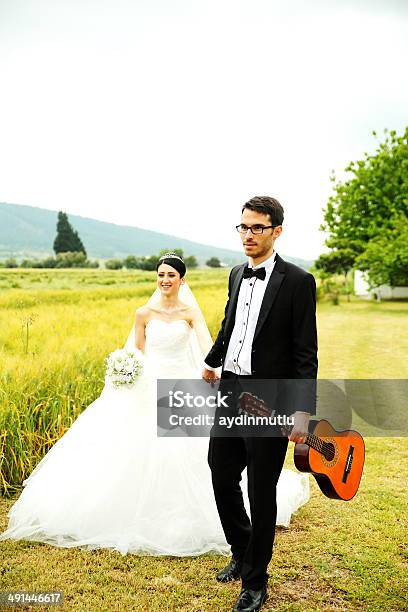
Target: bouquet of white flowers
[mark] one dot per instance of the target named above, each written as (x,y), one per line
(124,366)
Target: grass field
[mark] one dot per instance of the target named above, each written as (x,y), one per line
(334,556)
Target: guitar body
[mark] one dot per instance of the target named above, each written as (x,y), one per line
(339,467)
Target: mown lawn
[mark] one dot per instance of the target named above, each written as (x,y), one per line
(334,556)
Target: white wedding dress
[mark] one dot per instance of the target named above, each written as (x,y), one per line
(110,482)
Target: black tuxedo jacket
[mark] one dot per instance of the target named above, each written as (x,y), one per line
(285,339)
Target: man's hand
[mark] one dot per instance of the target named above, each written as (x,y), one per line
(300,427)
(210,376)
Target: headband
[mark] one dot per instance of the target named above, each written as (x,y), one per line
(174,261)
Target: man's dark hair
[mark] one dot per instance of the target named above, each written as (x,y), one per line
(268,206)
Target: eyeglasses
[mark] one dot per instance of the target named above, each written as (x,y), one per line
(255,229)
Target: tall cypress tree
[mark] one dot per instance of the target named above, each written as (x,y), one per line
(77,243)
(67,238)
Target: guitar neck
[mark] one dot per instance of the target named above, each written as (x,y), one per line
(316,443)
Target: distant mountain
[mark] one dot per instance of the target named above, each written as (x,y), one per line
(28,231)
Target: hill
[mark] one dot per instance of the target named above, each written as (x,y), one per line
(28,231)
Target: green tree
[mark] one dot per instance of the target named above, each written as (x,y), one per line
(140,262)
(371,204)
(339,261)
(150,263)
(386,257)
(71,260)
(77,244)
(67,239)
(48,262)
(113,264)
(131,262)
(213,262)
(10,263)
(191,261)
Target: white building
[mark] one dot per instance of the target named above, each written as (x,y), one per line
(386,292)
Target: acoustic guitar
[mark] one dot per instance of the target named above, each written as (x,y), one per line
(335,458)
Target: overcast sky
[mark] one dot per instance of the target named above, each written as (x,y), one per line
(169,114)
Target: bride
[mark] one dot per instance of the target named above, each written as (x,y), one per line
(110,481)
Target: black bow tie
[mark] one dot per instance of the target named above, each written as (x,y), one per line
(259,273)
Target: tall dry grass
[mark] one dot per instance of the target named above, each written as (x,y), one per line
(52,348)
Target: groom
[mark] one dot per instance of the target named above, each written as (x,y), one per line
(268,332)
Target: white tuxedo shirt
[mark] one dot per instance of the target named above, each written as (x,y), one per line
(251,293)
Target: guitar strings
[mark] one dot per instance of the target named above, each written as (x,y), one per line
(321,446)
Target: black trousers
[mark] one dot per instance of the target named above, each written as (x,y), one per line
(252,540)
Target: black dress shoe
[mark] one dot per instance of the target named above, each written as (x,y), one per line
(231,572)
(250,601)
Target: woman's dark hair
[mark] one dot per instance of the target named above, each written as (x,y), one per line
(173,260)
(268,206)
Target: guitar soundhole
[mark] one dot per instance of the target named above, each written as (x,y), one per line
(329,451)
